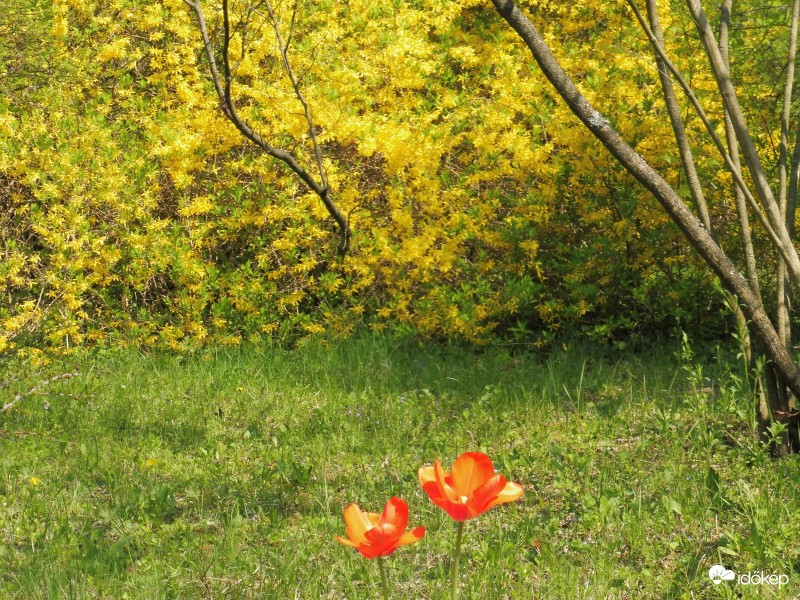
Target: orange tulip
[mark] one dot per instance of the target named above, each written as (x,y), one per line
(375,535)
(470,489)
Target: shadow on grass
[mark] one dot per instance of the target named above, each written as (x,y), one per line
(691,571)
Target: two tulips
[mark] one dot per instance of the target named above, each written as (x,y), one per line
(467,491)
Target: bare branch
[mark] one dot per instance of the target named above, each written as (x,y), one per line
(735,172)
(794,177)
(229,109)
(787,106)
(700,239)
(37,388)
(312,134)
(675,118)
(753,161)
(291,26)
(745,235)
(783,303)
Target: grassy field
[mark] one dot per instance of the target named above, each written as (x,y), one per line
(224,475)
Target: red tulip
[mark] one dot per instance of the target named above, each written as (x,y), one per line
(375,535)
(470,489)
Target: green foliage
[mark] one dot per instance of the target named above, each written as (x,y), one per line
(225,473)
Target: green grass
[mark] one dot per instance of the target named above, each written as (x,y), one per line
(224,475)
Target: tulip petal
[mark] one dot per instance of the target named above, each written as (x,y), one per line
(470,471)
(385,539)
(485,494)
(409,537)
(426,474)
(512,491)
(458,511)
(412,536)
(346,542)
(445,489)
(378,537)
(434,492)
(357,523)
(370,551)
(395,513)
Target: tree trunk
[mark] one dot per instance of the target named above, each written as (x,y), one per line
(771,342)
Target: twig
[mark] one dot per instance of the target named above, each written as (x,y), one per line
(20,395)
(787,417)
(5,384)
(222,84)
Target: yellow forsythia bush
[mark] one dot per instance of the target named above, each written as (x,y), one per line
(134,211)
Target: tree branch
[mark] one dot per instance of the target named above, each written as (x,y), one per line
(728,93)
(38,387)
(783,304)
(700,239)
(745,235)
(732,167)
(787,106)
(228,108)
(675,117)
(283,49)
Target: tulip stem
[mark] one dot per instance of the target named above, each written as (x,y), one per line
(454,584)
(384,584)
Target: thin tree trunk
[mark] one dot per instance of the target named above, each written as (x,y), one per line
(734,169)
(678,129)
(783,295)
(700,239)
(760,387)
(693,180)
(794,178)
(753,161)
(783,169)
(733,150)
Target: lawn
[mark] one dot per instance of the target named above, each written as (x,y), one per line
(224,474)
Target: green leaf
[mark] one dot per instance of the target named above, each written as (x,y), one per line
(672,505)
(713,484)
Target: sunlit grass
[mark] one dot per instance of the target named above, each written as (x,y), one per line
(224,474)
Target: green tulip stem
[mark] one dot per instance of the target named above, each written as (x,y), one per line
(454,588)
(384,584)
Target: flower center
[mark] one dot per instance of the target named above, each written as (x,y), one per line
(463,499)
